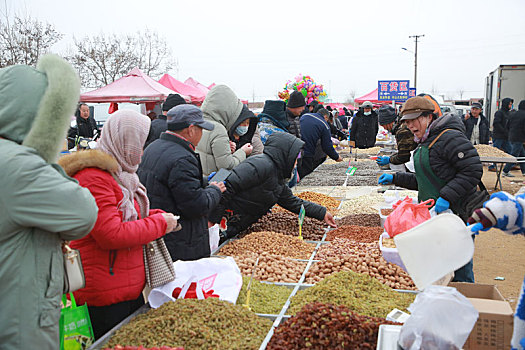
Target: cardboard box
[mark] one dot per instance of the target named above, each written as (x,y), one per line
(493,330)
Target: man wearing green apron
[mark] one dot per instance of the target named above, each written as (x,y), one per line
(447,166)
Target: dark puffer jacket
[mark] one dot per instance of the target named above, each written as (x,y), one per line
(258,183)
(452,158)
(517,124)
(172,173)
(364,129)
(501,117)
(484,133)
(158,126)
(83,128)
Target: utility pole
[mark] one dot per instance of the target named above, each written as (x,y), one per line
(416,37)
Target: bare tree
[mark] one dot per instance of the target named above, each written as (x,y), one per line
(102,59)
(461,91)
(154,54)
(24,39)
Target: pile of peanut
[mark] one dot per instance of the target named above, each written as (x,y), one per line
(271,268)
(344,255)
(272,243)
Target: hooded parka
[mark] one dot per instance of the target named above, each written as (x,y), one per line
(41,206)
(252,136)
(501,119)
(222,108)
(260,182)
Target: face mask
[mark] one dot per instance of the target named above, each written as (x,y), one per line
(367,113)
(241,130)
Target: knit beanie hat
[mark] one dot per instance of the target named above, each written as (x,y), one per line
(171,101)
(296,100)
(386,114)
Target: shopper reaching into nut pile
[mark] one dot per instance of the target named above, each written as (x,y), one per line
(258,183)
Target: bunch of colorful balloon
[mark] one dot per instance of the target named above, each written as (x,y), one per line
(305,85)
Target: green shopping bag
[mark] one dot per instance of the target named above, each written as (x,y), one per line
(76,332)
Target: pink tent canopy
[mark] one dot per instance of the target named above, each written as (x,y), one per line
(196,95)
(135,87)
(196,84)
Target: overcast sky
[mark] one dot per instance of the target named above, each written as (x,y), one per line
(255,46)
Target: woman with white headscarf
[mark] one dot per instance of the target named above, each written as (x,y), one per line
(112,252)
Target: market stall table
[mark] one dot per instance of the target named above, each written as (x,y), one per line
(499,162)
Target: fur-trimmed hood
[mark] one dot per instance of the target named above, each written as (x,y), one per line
(93,158)
(36,104)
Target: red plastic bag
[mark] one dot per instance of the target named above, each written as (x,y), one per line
(407,215)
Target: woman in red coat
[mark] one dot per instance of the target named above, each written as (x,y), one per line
(112,252)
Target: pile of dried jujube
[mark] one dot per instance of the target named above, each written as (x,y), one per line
(327,326)
(287,223)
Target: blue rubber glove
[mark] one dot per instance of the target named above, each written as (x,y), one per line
(476,228)
(441,205)
(383,160)
(211,175)
(386,179)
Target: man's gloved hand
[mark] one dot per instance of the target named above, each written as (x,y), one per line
(383,160)
(211,175)
(441,205)
(385,179)
(481,220)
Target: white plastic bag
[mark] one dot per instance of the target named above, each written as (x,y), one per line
(214,237)
(222,275)
(442,318)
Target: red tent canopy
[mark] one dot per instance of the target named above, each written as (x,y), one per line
(179,87)
(372,96)
(196,84)
(135,87)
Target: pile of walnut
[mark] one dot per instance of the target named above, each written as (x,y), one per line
(271,268)
(344,255)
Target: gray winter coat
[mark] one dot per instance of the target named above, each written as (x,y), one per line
(222,108)
(40,205)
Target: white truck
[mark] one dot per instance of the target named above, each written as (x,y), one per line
(508,80)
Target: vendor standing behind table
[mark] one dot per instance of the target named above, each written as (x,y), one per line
(447,165)
(404,137)
(317,142)
(172,173)
(260,182)
(364,127)
(222,109)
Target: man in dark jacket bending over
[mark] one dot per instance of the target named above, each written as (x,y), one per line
(172,173)
(318,141)
(258,183)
